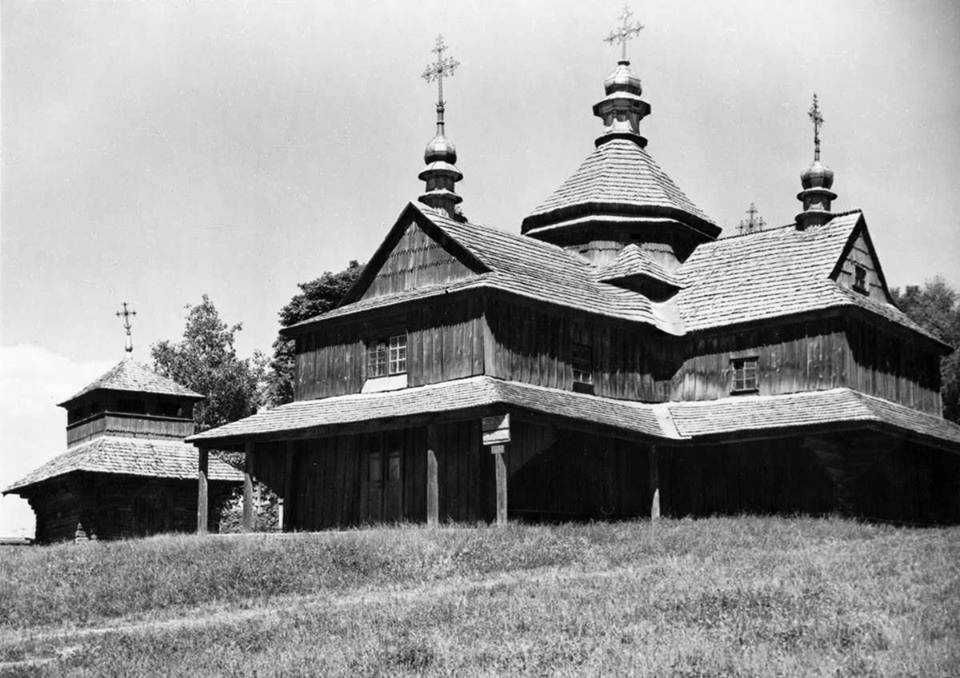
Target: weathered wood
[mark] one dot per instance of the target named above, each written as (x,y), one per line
(496,429)
(433,500)
(290,452)
(203,490)
(248,487)
(654,484)
(500,475)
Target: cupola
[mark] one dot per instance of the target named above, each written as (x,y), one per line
(817,180)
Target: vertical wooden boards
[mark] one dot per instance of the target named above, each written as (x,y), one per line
(202,490)
(248,487)
(654,483)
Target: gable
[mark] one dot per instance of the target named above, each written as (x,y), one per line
(415,260)
(859,255)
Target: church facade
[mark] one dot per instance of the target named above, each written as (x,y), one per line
(126,471)
(615,358)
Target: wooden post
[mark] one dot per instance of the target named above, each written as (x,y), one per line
(654,484)
(433,490)
(286,500)
(500,470)
(248,487)
(202,490)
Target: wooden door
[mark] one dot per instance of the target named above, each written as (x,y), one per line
(383,465)
(393,487)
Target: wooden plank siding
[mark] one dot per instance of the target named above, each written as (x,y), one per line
(859,255)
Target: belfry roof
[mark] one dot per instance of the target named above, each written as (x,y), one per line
(130,375)
(129,456)
(618,173)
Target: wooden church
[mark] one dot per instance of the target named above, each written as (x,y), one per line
(126,471)
(615,358)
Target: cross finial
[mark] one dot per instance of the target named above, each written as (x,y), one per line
(625,32)
(443,66)
(817,119)
(126,313)
(754,222)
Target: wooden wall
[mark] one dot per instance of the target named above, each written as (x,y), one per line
(131,426)
(859,254)
(444,341)
(119,506)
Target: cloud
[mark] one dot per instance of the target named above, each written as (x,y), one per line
(33,380)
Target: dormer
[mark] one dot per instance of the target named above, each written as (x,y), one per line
(636,270)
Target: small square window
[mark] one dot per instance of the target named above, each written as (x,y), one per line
(745,379)
(859,278)
(387,356)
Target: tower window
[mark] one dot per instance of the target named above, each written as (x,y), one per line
(745,379)
(859,278)
(387,356)
(581,356)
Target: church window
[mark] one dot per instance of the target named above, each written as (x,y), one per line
(859,278)
(745,378)
(387,356)
(581,356)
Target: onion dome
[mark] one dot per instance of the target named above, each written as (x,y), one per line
(622,109)
(817,180)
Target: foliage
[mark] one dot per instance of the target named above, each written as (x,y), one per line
(936,307)
(315,297)
(745,596)
(206,360)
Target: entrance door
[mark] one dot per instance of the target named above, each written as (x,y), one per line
(384,474)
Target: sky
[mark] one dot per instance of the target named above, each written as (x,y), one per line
(155,152)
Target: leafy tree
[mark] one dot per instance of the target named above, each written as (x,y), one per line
(206,360)
(315,297)
(936,306)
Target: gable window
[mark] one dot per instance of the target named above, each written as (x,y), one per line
(581,356)
(859,278)
(387,356)
(745,378)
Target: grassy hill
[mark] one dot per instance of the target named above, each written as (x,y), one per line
(718,596)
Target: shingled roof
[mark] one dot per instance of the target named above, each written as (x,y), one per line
(447,396)
(698,419)
(634,262)
(618,172)
(130,375)
(129,456)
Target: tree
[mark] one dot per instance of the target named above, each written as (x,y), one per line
(206,360)
(315,297)
(936,307)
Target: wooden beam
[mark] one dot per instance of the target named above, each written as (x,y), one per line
(203,490)
(433,490)
(654,484)
(248,487)
(500,472)
(287,498)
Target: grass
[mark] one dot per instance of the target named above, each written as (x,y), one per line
(734,596)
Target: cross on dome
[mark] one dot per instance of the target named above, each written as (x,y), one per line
(126,314)
(443,66)
(625,32)
(817,117)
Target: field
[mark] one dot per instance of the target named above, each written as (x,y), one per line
(744,596)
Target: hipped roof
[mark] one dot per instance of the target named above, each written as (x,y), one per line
(130,375)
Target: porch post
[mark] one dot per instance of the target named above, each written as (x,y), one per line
(286,501)
(500,469)
(433,491)
(202,489)
(248,486)
(496,435)
(654,484)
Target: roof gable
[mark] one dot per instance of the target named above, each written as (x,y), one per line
(415,253)
(860,252)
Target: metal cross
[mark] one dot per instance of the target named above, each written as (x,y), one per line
(753,222)
(817,118)
(443,66)
(625,32)
(125,313)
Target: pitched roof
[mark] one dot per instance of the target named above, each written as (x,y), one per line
(766,274)
(129,456)
(519,265)
(447,396)
(619,172)
(633,261)
(130,375)
(697,419)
